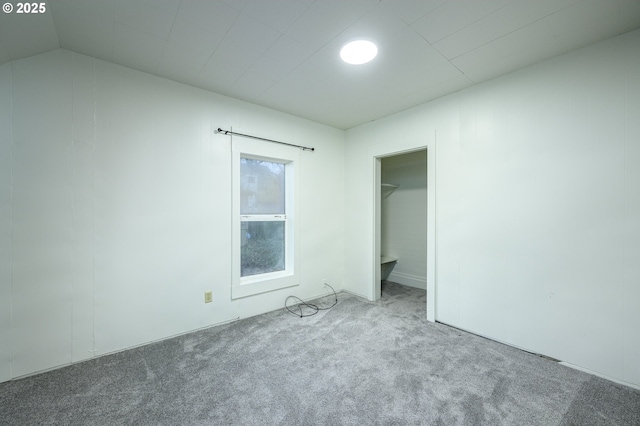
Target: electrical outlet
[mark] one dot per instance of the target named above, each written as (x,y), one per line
(208,297)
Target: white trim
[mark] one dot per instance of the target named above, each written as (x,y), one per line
(353,293)
(376,290)
(432,233)
(566,364)
(408,280)
(595,373)
(128,348)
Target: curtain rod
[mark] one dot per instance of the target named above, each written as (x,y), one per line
(229,132)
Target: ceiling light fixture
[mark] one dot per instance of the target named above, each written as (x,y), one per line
(358,52)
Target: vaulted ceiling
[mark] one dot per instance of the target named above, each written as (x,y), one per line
(284,54)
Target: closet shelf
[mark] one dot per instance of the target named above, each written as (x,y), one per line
(387,189)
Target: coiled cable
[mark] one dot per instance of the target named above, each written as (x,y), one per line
(309,308)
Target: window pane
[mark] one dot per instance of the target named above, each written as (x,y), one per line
(262,247)
(261,187)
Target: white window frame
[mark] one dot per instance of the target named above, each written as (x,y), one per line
(270,281)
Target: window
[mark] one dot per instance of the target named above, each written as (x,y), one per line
(263,216)
(264,210)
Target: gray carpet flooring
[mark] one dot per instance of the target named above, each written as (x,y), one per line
(359,363)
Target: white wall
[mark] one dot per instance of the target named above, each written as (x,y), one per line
(538,206)
(115,216)
(404,217)
(115,209)
(5,222)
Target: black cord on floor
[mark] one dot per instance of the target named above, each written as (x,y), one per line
(311,309)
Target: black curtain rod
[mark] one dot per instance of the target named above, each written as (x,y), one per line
(229,132)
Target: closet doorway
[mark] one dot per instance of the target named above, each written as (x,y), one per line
(401,221)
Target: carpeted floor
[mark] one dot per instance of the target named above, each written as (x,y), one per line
(359,363)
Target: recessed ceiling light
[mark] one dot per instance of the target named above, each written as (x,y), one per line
(358,52)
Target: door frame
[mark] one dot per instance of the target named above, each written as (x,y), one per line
(376,156)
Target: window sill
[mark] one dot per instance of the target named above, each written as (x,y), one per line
(249,286)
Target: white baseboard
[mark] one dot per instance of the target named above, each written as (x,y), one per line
(595,373)
(408,280)
(566,364)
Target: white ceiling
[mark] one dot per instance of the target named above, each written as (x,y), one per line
(283,54)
